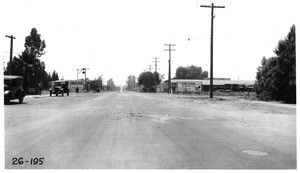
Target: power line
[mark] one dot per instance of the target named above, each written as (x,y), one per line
(169,49)
(211,44)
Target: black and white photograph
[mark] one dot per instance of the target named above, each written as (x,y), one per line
(148,85)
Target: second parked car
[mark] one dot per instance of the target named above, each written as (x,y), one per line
(60,87)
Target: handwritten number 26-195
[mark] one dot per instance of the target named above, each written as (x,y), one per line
(33,161)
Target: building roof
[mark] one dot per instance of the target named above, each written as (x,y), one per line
(61,81)
(231,82)
(71,80)
(12,77)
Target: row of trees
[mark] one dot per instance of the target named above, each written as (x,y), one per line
(190,72)
(29,65)
(276,77)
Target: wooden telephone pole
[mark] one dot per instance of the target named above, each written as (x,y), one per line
(150,67)
(169,45)
(11,53)
(211,45)
(155,62)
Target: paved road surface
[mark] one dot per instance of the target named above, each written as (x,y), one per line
(134,130)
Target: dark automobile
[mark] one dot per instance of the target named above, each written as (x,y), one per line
(60,87)
(13,88)
(149,90)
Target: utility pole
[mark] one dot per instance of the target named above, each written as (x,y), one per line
(150,67)
(155,63)
(11,52)
(169,80)
(83,70)
(211,45)
(77,76)
(101,84)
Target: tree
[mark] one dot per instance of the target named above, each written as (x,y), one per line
(276,77)
(149,80)
(54,76)
(34,43)
(181,73)
(111,85)
(190,72)
(287,64)
(100,83)
(49,76)
(156,78)
(131,82)
(17,67)
(96,84)
(28,64)
(204,75)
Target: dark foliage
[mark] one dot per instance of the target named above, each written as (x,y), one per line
(54,76)
(111,85)
(96,84)
(28,63)
(131,82)
(190,72)
(149,80)
(276,78)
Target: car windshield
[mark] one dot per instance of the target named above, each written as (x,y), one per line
(13,82)
(58,84)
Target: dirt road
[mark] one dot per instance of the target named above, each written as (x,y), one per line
(135,130)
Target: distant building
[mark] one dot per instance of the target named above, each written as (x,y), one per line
(75,83)
(197,85)
(234,85)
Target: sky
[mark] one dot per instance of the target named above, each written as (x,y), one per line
(118,38)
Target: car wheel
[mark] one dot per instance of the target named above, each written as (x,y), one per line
(21,99)
(7,100)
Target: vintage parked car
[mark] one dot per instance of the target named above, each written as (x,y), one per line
(60,87)
(13,88)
